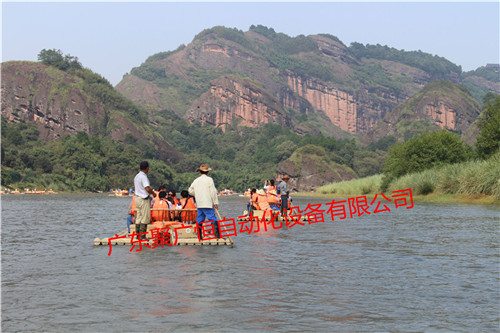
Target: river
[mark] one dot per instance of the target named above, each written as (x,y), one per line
(434,267)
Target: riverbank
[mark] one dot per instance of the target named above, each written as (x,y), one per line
(430,198)
(476,182)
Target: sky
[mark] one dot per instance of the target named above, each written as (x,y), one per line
(111,38)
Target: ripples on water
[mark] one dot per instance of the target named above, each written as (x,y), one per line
(430,268)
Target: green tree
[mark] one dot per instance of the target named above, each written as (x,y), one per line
(424,152)
(57,59)
(488,139)
(285,150)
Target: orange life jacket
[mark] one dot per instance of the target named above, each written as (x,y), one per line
(272,199)
(160,215)
(132,207)
(255,197)
(270,188)
(188,216)
(263,204)
(176,201)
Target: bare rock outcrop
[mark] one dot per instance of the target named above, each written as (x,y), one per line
(439,105)
(31,92)
(232,99)
(338,106)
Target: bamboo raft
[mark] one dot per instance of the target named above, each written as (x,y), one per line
(179,233)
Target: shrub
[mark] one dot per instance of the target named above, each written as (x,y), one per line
(424,152)
(425,188)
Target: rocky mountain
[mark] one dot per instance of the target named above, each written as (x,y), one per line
(439,105)
(313,84)
(61,103)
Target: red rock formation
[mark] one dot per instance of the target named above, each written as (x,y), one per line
(230,99)
(338,106)
(443,115)
(30,93)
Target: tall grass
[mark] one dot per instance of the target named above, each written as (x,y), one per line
(468,178)
(367,185)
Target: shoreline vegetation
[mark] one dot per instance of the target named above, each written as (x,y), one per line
(476,182)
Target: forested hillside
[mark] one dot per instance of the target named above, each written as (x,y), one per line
(241,157)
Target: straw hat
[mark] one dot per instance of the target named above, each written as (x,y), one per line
(273,192)
(203,167)
(261,192)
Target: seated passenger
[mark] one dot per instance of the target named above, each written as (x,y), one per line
(272,199)
(187,202)
(162,188)
(252,203)
(270,187)
(172,194)
(159,213)
(131,215)
(262,200)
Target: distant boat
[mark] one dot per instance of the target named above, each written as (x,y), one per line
(120,193)
(226,192)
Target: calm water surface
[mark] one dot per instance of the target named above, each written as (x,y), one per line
(429,268)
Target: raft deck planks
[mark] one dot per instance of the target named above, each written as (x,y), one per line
(180,241)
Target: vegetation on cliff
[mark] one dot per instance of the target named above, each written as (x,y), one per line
(437,67)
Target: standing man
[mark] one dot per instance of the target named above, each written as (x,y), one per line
(284,191)
(142,191)
(204,191)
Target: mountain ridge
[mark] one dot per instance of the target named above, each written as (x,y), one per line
(320,82)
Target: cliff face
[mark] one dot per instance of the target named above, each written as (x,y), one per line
(33,93)
(338,106)
(231,99)
(59,104)
(442,115)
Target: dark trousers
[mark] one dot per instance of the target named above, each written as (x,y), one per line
(284,204)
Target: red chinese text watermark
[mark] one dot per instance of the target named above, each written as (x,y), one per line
(336,209)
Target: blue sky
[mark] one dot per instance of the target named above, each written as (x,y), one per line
(113,37)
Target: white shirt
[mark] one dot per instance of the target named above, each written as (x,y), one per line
(204,191)
(141,181)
